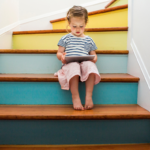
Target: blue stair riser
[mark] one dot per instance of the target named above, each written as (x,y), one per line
(55,132)
(51,93)
(48,63)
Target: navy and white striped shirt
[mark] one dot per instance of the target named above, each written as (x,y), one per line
(77,46)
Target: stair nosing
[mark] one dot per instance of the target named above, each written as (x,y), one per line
(114,77)
(36,51)
(79,147)
(108,29)
(110,3)
(18,112)
(96,12)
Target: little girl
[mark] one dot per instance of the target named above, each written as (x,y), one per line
(77,44)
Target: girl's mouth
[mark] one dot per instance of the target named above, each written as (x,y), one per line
(77,32)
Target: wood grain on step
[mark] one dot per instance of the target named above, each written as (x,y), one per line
(65,31)
(78,147)
(111,2)
(67,112)
(51,78)
(48,51)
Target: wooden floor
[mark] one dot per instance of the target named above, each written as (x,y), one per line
(67,112)
(79,147)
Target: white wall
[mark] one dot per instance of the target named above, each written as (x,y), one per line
(9,17)
(36,14)
(9,12)
(22,15)
(39,7)
(139,48)
(32,8)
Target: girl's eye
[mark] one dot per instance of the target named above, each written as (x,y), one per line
(74,26)
(81,26)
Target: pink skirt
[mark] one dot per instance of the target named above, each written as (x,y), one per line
(72,69)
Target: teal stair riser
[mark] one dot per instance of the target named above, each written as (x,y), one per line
(51,93)
(55,132)
(48,63)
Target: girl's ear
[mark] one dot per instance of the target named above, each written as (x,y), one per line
(67,27)
(68,24)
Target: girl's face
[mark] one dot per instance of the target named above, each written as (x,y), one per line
(77,25)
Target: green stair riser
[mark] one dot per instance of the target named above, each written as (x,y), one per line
(48,63)
(51,93)
(65,132)
(114,40)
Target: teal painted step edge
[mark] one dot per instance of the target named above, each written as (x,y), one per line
(46,132)
(48,63)
(51,93)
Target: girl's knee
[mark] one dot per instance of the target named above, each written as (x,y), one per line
(92,75)
(87,63)
(75,77)
(71,68)
(74,64)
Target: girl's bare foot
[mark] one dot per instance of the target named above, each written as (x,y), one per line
(88,103)
(77,103)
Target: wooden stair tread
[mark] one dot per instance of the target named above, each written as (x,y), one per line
(65,31)
(67,112)
(112,77)
(96,12)
(78,147)
(110,3)
(48,51)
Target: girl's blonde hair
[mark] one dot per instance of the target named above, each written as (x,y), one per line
(76,11)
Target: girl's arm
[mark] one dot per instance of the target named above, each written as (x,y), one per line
(95,58)
(61,54)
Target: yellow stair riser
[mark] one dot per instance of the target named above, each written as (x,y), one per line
(114,40)
(118,3)
(117,18)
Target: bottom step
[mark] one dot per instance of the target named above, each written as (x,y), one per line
(61,125)
(79,147)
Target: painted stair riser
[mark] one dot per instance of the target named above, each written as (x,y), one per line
(118,3)
(51,93)
(114,40)
(48,63)
(55,132)
(118,18)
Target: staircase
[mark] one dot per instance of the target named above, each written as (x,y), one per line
(36,114)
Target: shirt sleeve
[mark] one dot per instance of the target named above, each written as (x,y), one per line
(61,43)
(92,45)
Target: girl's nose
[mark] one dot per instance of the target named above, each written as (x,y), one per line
(78,28)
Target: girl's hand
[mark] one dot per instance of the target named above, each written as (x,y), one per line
(63,58)
(95,58)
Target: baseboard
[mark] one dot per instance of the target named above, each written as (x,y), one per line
(9,27)
(140,62)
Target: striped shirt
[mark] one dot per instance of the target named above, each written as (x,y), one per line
(77,46)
